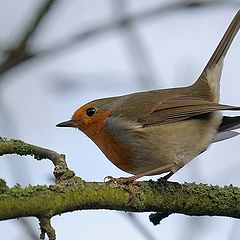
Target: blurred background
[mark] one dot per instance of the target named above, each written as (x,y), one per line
(58,55)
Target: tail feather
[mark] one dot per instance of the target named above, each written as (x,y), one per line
(225,129)
(207,84)
(221,136)
(229,123)
(225,42)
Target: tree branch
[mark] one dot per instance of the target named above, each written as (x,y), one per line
(165,197)
(104,27)
(14,146)
(20,52)
(46,228)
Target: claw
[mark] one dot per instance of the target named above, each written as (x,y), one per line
(121,180)
(128,183)
(108,179)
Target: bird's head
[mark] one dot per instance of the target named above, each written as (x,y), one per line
(90,117)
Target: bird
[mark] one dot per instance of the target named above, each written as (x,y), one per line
(159,131)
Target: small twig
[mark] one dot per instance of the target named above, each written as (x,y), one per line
(20,52)
(135,47)
(156,218)
(140,227)
(11,146)
(14,146)
(40,15)
(102,28)
(46,228)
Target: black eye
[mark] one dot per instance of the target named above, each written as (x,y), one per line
(90,111)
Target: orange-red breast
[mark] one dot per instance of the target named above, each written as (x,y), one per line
(154,132)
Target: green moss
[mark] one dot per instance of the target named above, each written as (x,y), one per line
(75,194)
(57,188)
(3,186)
(18,191)
(2,139)
(22,148)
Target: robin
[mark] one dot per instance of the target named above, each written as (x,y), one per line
(159,131)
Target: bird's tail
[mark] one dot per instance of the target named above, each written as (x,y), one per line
(223,46)
(208,82)
(225,130)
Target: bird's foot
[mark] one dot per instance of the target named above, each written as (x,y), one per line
(127,183)
(121,180)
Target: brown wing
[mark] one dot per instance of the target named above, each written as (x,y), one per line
(181,108)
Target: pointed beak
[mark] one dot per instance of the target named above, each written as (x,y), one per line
(69,123)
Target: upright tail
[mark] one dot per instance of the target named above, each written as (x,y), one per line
(208,82)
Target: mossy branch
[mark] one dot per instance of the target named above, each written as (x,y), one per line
(21,52)
(15,146)
(165,197)
(46,228)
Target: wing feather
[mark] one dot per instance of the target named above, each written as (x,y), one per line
(181,108)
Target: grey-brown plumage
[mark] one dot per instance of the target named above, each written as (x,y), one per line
(158,131)
(167,130)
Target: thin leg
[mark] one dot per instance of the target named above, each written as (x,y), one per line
(125,180)
(155,171)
